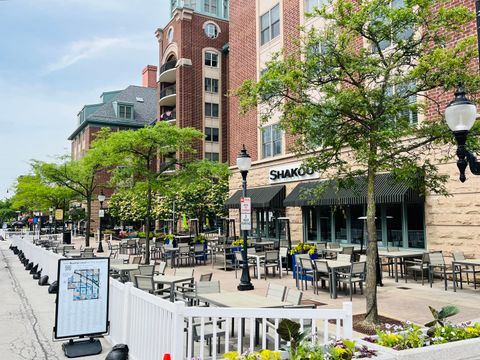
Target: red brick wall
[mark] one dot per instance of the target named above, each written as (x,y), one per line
(191,41)
(243,65)
(149,76)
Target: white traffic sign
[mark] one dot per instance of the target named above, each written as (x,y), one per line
(245,213)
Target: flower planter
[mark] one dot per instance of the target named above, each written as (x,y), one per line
(457,350)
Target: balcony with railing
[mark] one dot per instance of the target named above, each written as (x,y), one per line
(168,96)
(170,116)
(168,71)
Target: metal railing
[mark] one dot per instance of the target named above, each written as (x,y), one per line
(169,90)
(167,66)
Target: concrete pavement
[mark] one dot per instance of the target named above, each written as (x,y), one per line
(27,314)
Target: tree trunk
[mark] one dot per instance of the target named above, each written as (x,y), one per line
(147,224)
(87,225)
(372,250)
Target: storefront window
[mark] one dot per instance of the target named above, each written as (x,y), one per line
(416,231)
(325,223)
(340,225)
(311,223)
(266,223)
(394,225)
(357,225)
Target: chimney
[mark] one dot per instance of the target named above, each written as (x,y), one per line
(149,76)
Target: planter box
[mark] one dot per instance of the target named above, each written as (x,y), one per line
(457,350)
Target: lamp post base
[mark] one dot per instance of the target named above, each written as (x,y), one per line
(100,247)
(245,287)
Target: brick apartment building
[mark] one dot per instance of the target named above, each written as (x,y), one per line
(193,49)
(259,28)
(130,108)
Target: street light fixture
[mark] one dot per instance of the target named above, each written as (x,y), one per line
(244,162)
(460,115)
(101,199)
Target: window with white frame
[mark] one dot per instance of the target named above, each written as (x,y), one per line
(211,30)
(211,85)
(211,109)
(404,35)
(211,59)
(211,134)
(310,5)
(170,35)
(210,6)
(270,25)
(212,156)
(271,141)
(125,111)
(403,90)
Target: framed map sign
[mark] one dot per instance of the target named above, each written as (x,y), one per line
(82,297)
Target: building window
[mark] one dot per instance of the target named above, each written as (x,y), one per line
(211,134)
(210,6)
(211,59)
(310,5)
(271,141)
(411,115)
(211,30)
(170,35)
(125,111)
(403,35)
(270,24)
(211,85)
(211,109)
(212,156)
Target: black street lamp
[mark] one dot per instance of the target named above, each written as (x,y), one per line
(460,115)
(51,219)
(101,199)
(244,162)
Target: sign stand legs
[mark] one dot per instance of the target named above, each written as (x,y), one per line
(73,349)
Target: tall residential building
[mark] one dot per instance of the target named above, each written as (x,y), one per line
(193,72)
(259,28)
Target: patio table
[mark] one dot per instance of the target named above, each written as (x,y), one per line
(334,266)
(171,280)
(258,258)
(262,244)
(467,262)
(399,255)
(123,268)
(235,299)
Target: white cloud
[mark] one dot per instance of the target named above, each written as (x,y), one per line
(84,49)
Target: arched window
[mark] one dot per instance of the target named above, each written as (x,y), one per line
(211,30)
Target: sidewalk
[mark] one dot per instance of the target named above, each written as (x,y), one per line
(27,314)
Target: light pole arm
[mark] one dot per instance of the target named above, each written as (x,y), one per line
(473,163)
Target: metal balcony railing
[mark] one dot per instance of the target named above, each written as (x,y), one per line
(170,90)
(168,115)
(168,65)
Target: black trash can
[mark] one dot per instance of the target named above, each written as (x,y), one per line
(67,237)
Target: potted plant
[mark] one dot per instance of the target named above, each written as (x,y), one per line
(237,245)
(302,248)
(170,239)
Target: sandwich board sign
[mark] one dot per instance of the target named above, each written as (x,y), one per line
(82,304)
(245,213)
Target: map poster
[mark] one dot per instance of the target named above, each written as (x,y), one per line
(82,298)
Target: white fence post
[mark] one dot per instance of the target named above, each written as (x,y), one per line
(126,312)
(178,330)
(347,321)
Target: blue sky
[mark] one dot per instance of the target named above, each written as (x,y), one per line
(56,56)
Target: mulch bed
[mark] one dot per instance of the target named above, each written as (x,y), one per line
(312,302)
(359,326)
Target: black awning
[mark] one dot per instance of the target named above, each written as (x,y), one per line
(270,197)
(387,191)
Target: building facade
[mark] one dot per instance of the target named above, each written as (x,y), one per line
(404,218)
(127,109)
(193,49)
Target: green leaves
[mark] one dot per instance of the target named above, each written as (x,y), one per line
(440,316)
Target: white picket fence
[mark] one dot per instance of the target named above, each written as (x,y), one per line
(152,326)
(46,260)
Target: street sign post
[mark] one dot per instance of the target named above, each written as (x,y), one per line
(245,213)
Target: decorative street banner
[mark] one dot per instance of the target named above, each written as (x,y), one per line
(82,298)
(245,213)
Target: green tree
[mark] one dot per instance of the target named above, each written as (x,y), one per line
(80,176)
(132,156)
(7,212)
(348,93)
(33,194)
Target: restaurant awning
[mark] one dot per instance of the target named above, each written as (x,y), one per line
(270,197)
(386,191)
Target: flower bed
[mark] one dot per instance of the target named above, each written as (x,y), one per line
(452,342)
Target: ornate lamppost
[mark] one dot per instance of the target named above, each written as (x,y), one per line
(244,162)
(101,199)
(460,115)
